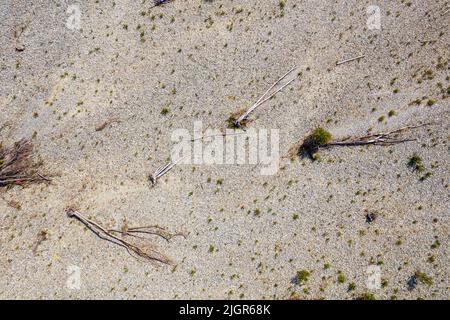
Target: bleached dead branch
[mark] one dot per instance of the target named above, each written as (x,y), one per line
(349,60)
(382,138)
(148,252)
(265,97)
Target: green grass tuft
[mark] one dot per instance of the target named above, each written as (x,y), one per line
(303,276)
(424,278)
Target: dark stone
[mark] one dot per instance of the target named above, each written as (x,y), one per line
(412,283)
(370,217)
(160,2)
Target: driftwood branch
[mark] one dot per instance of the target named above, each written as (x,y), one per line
(322,139)
(143,251)
(161,171)
(237,120)
(382,138)
(150,230)
(265,97)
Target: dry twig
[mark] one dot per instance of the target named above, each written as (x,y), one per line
(223,134)
(147,252)
(349,60)
(41,237)
(161,171)
(106,123)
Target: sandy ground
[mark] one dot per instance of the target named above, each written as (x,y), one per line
(202,61)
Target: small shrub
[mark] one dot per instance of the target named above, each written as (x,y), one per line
(436,244)
(367,296)
(351,286)
(303,276)
(321,136)
(416,163)
(341,278)
(426,176)
(232,121)
(318,138)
